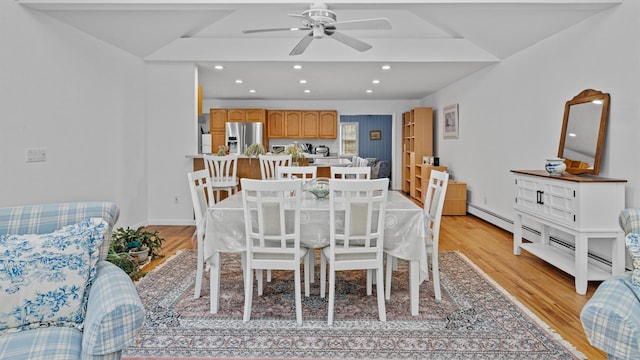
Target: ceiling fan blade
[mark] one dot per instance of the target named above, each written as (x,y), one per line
(366,24)
(348,40)
(275,29)
(302,45)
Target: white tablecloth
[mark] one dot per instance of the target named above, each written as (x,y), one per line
(403,236)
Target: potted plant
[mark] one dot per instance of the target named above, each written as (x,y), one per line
(139,243)
(253,151)
(297,156)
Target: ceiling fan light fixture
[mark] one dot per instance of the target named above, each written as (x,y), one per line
(386,67)
(376,81)
(218,67)
(307,91)
(303,81)
(239,81)
(252,91)
(319,13)
(369,91)
(297,67)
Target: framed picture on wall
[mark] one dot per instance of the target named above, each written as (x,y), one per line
(375,135)
(451,124)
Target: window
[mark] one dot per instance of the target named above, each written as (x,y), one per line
(348,138)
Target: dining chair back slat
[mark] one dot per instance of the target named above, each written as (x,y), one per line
(306,173)
(223,173)
(350,172)
(270,163)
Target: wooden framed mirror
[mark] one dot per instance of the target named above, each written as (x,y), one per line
(583,132)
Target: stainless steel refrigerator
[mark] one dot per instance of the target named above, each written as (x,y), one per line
(241,135)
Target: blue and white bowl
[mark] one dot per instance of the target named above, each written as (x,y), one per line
(555,166)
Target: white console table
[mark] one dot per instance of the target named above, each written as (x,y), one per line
(584,206)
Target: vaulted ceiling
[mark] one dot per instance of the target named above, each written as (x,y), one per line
(431,43)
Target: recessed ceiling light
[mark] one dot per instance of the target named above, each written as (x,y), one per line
(252,91)
(239,81)
(303,81)
(307,91)
(369,91)
(386,67)
(297,67)
(218,67)
(376,81)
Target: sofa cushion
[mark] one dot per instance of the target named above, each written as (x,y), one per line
(633,246)
(45,278)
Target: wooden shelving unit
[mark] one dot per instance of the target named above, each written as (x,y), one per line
(417,141)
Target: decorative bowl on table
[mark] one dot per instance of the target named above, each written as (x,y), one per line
(319,187)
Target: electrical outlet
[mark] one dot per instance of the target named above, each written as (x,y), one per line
(36,155)
(176,199)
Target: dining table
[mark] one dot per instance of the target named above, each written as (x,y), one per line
(404,233)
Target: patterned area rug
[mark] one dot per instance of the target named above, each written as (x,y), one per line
(475,319)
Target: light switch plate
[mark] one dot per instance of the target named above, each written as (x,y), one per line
(36,155)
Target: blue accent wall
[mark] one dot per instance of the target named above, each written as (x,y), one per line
(380,149)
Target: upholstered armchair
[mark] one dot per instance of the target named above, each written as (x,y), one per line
(60,298)
(611,318)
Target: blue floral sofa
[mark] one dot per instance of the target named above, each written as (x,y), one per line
(60,299)
(611,318)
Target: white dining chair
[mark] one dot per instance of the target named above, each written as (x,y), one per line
(270,163)
(223,172)
(306,173)
(350,172)
(199,188)
(433,204)
(272,227)
(356,234)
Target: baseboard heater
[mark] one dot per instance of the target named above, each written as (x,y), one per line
(507,224)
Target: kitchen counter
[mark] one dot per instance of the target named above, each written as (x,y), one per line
(328,161)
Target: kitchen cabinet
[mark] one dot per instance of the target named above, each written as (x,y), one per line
(217,124)
(585,207)
(199,100)
(247,115)
(292,124)
(310,123)
(275,124)
(298,124)
(327,124)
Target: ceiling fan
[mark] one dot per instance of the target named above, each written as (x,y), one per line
(321,21)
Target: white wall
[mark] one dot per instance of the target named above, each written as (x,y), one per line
(80,99)
(511,113)
(171,133)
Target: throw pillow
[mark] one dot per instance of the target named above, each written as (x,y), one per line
(45,278)
(633,245)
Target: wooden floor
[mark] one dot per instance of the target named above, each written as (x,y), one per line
(546,291)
